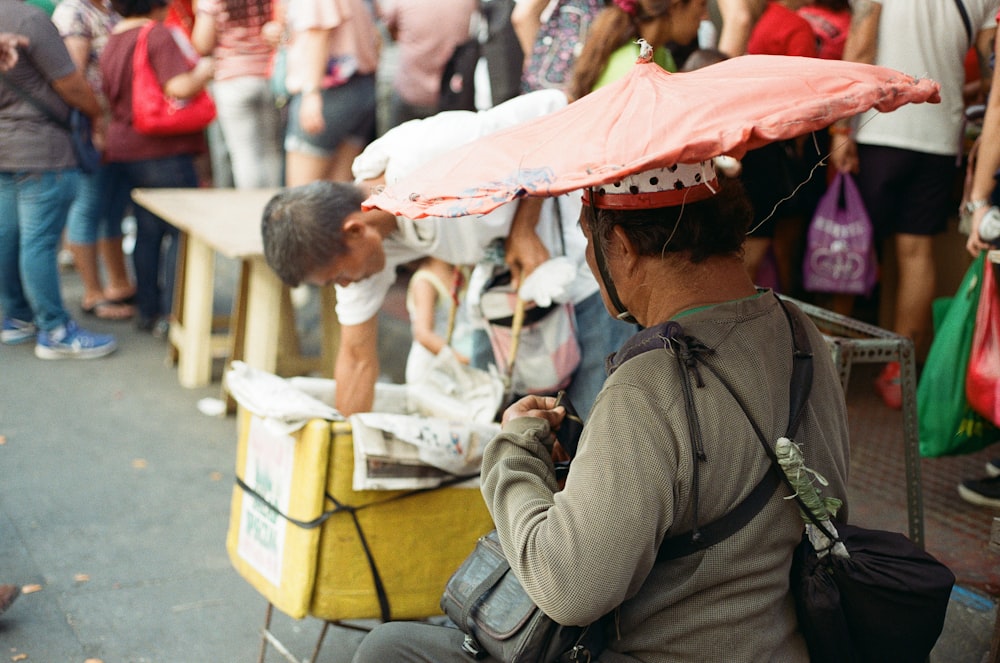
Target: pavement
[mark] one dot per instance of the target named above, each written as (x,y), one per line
(114,504)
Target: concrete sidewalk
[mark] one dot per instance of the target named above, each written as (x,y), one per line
(114,502)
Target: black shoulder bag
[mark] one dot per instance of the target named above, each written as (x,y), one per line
(869,595)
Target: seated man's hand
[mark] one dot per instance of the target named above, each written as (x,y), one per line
(542,407)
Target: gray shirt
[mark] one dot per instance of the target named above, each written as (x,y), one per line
(582,551)
(29,141)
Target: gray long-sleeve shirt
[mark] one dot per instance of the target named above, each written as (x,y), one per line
(582,551)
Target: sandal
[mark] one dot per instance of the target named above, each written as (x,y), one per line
(108,310)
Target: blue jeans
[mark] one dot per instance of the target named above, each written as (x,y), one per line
(33,208)
(599,335)
(98,209)
(154,257)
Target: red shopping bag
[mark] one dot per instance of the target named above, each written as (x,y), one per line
(982,382)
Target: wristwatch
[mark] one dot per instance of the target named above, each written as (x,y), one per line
(972,205)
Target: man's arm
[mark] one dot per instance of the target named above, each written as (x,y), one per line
(357,367)
(523,249)
(527,20)
(861,46)
(738,19)
(987,161)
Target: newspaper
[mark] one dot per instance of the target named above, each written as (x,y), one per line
(403,452)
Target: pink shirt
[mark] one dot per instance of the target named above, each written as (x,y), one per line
(426,32)
(240,50)
(352,42)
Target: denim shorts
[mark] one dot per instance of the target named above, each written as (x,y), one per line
(349,114)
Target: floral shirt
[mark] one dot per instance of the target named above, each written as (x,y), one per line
(84,18)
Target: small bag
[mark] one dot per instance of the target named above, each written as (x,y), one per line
(867,595)
(509,626)
(547,352)
(840,248)
(948,425)
(982,382)
(886,602)
(153,112)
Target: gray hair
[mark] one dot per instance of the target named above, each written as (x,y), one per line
(302,227)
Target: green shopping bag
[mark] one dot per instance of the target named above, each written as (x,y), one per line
(948,425)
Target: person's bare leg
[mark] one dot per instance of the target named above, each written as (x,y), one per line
(343,160)
(842,304)
(754,250)
(94,301)
(305,168)
(915,290)
(112,255)
(85,261)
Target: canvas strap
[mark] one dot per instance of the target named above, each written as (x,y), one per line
(699,538)
(966,21)
(385,610)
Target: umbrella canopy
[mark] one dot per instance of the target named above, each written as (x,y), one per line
(650,118)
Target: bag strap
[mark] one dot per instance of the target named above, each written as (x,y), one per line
(776,468)
(966,21)
(45,109)
(800,386)
(385,610)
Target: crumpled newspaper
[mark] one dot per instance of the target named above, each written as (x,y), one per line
(284,408)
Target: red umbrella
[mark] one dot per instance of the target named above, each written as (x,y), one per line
(650,118)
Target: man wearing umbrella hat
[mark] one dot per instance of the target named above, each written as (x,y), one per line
(319,234)
(666,449)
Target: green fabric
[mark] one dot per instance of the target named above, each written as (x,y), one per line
(623,59)
(948,425)
(47,6)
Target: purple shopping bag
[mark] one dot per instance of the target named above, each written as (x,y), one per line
(840,247)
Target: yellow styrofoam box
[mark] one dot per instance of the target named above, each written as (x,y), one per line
(416,541)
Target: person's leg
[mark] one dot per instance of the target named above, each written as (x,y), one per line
(153,298)
(349,115)
(413,642)
(81,240)
(43,202)
(599,335)
(13,302)
(915,289)
(251,125)
(119,287)
(754,250)
(305,159)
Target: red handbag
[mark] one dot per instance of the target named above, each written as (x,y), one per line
(982,380)
(153,112)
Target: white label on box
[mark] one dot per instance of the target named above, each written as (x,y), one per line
(269,464)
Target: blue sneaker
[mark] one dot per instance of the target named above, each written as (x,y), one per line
(70,342)
(16,331)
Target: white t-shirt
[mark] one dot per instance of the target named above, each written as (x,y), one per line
(926,39)
(459,241)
